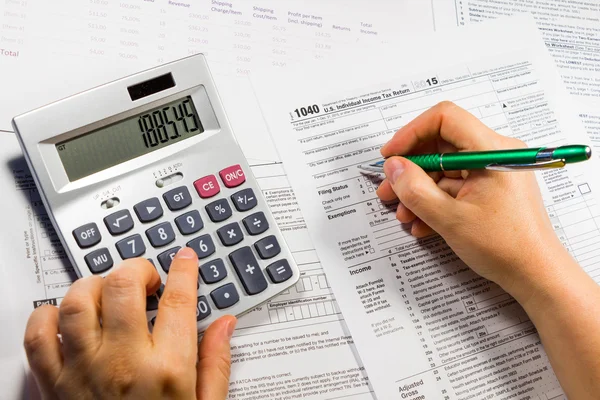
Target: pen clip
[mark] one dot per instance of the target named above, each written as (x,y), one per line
(527,167)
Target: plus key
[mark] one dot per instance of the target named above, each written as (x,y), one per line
(247,268)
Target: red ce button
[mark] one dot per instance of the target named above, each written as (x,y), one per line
(207,186)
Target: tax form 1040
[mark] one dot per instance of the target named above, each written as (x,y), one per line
(425,325)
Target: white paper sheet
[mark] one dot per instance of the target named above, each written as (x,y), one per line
(571,31)
(49,50)
(425,326)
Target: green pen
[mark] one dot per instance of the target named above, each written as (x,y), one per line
(498,160)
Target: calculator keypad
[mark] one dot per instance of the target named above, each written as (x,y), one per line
(178,198)
(149,210)
(87,235)
(247,268)
(189,223)
(228,252)
(267,247)
(119,222)
(219,210)
(244,200)
(130,247)
(280,271)
(213,271)
(203,246)
(207,187)
(233,176)
(99,260)
(202,309)
(256,223)
(161,234)
(165,258)
(225,296)
(230,234)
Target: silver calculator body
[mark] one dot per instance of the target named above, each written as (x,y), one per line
(147,164)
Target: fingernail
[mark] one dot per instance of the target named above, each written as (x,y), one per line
(393,168)
(230,327)
(186,253)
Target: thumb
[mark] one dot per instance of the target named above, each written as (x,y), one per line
(419,193)
(214,364)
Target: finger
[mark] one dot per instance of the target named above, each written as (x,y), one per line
(176,329)
(43,346)
(124,300)
(404,215)
(420,229)
(214,363)
(385,192)
(419,193)
(451,186)
(79,316)
(446,121)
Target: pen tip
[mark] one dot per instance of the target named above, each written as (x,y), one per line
(588,152)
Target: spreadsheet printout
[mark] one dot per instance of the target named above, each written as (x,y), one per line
(448,333)
(66,46)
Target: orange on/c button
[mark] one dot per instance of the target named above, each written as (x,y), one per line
(207,186)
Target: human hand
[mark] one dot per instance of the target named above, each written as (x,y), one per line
(107,350)
(494,221)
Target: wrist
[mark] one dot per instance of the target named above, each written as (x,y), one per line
(541,278)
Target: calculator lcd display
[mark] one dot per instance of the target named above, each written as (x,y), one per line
(130,138)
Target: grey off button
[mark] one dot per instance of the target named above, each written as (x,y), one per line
(87,235)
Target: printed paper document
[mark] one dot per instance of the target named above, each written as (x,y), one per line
(424,324)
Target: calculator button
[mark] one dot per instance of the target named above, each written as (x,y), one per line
(203,246)
(207,186)
(119,222)
(167,257)
(189,223)
(280,271)
(214,271)
(233,176)
(267,247)
(87,235)
(230,234)
(244,200)
(248,270)
(149,210)
(219,210)
(131,247)
(152,303)
(256,223)
(99,260)
(202,309)
(225,296)
(161,234)
(178,198)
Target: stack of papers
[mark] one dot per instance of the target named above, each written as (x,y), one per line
(299,345)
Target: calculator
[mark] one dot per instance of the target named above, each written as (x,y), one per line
(147,164)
